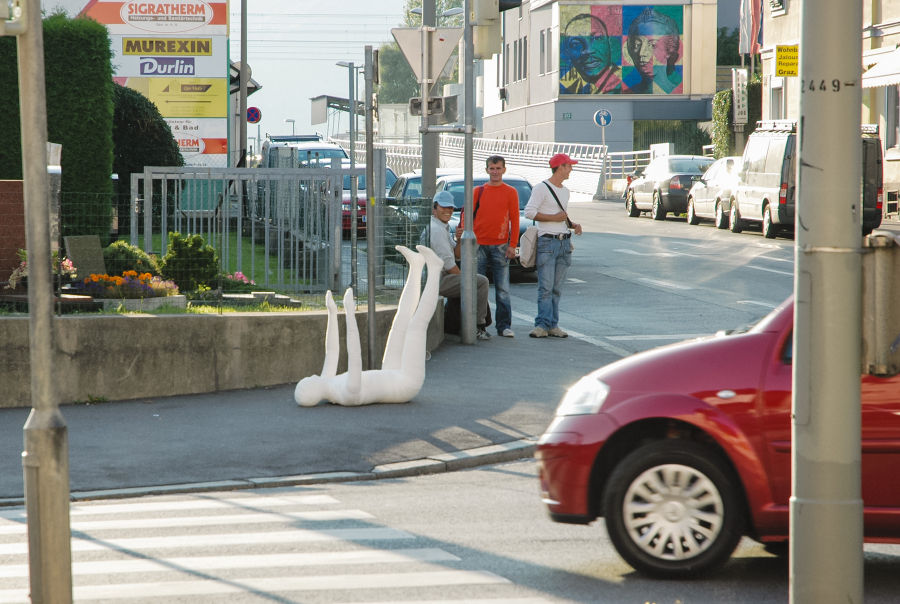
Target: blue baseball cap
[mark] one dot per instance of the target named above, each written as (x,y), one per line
(444,199)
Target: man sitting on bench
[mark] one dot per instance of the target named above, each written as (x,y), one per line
(444,246)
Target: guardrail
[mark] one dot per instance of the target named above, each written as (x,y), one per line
(600,173)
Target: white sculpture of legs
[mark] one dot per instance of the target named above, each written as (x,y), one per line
(403,365)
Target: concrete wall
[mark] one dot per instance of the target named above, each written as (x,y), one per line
(134,356)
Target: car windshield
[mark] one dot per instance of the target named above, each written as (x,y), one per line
(456,188)
(695,165)
(315,157)
(389,179)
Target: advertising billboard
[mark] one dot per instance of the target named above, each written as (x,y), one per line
(175,53)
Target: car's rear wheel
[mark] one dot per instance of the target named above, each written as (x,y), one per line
(658,212)
(735,219)
(769,228)
(692,217)
(673,509)
(633,210)
(721,216)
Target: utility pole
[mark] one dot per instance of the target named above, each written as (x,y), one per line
(468,290)
(245,77)
(826,507)
(45,460)
(371,219)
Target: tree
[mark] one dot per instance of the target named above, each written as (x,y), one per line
(398,82)
(727,45)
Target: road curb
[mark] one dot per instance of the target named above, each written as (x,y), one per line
(444,462)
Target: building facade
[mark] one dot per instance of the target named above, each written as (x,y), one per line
(562,61)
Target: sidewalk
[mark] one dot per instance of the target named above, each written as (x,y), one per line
(481,403)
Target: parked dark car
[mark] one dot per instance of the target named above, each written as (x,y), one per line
(663,185)
(708,197)
(455,184)
(686,448)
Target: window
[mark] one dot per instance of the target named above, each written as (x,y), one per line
(892,117)
(549,67)
(524,57)
(542,51)
(515,61)
(506,66)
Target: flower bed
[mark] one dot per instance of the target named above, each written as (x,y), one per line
(129,286)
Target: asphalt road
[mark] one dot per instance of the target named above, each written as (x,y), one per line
(634,284)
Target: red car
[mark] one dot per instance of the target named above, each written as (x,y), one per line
(346,218)
(686,448)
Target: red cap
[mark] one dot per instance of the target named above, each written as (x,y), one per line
(560,159)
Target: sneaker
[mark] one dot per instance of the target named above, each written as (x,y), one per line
(508,333)
(482,335)
(538,332)
(556,332)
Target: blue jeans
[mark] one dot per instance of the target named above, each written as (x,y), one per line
(495,256)
(554,256)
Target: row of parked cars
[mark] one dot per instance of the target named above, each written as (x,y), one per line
(755,188)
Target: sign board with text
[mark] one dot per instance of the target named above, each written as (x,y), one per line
(787,60)
(739,95)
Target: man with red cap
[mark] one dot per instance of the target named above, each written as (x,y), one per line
(547,207)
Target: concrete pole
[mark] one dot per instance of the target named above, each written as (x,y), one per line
(826,505)
(469,245)
(45,459)
(430,140)
(371,221)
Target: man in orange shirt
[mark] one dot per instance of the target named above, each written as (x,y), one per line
(495,209)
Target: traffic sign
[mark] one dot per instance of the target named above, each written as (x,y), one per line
(444,41)
(602,117)
(253,115)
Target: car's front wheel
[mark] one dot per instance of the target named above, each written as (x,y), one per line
(721,216)
(673,510)
(658,211)
(633,210)
(734,219)
(769,228)
(692,217)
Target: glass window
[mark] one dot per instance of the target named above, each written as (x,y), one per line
(542,61)
(892,116)
(525,57)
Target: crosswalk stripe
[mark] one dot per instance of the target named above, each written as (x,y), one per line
(186,521)
(280,584)
(197,502)
(207,563)
(188,541)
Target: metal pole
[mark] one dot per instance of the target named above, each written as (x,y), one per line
(354,203)
(826,508)
(45,459)
(372,339)
(430,140)
(245,76)
(468,247)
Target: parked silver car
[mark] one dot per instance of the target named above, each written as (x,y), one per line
(708,197)
(663,185)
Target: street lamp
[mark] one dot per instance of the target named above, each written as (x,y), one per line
(291,121)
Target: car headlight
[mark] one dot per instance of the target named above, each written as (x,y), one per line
(585,397)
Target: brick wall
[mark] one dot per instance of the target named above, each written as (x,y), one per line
(12,225)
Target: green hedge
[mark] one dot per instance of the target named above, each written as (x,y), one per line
(78,74)
(723,118)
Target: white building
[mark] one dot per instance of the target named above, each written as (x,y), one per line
(562,61)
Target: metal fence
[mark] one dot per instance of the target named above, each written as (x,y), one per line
(286,229)
(600,173)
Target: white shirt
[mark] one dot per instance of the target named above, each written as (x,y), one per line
(542,202)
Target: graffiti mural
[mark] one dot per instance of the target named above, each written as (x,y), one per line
(621,49)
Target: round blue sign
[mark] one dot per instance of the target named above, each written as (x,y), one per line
(253,115)
(602,117)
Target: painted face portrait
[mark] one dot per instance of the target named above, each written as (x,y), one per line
(587,47)
(653,39)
